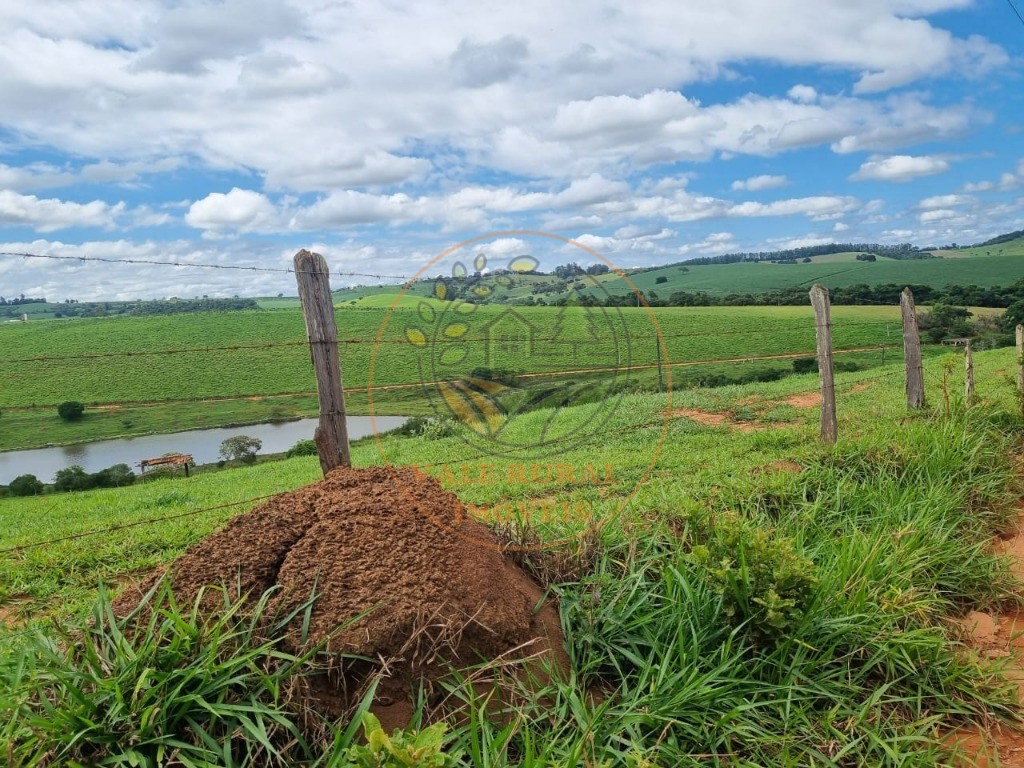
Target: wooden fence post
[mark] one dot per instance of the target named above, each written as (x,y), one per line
(823,333)
(1020,358)
(331,437)
(912,351)
(968,374)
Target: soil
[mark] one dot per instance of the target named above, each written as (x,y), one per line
(780,465)
(401,576)
(13,613)
(997,636)
(809,400)
(711,419)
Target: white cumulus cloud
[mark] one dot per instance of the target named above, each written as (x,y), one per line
(240,209)
(757,183)
(51,214)
(900,168)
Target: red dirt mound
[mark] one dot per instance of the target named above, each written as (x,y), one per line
(369,540)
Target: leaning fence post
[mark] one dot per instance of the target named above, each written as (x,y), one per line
(331,437)
(823,334)
(968,374)
(912,351)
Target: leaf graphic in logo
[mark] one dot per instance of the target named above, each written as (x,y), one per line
(523,264)
(459,270)
(480,411)
(427,313)
(480,262)
(456,330)
(453,354)
(416,337)
(440,290)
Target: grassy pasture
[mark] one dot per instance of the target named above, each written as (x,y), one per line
(832,271)
(133,387)
(878,542)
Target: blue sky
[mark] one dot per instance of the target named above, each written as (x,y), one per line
(237,132)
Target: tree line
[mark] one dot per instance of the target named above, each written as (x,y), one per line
(997,297)
(901,251)
(152,307)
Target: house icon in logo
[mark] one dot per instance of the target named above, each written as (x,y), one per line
(509,333)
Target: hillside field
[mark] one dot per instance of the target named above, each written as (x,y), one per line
(759,598)
(129,393)
(833,271)
(985,266)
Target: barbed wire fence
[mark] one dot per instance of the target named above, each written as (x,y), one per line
(825,390)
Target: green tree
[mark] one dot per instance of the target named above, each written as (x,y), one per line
(240,447)
(116,476)
(73,478)
(302,448)
(945,321)
(26,485)
(1014,315)
(70,410)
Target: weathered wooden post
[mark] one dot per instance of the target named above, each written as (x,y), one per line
(912,351)
(968,374)
(331,437)
(823,333)
(1020,358)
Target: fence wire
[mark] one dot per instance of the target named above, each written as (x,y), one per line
(663,423)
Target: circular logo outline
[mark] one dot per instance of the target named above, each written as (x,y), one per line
(624,501)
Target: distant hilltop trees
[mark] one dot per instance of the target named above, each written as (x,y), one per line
(15,300)
(74,308)
(1003,238)
(898,252)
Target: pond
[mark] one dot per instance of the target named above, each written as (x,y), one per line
(202,444)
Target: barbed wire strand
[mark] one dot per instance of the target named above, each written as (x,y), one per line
(375,342)
(860,301)
(134,524)
(526,375)
(194,264)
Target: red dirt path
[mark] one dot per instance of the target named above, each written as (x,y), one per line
(994,636)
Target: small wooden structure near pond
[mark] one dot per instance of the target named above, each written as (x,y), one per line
(170,461)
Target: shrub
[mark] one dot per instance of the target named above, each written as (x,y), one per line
(501,375)
(400,749)
(438,429)
(302,448)
(761,577)
(70,410)
(660,279)
(944,321)
(26,485)
(805,365)
(73,478)
(116,476)
(241,447)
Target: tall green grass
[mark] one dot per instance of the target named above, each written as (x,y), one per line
(675,665)
(168,684)
(735,614)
